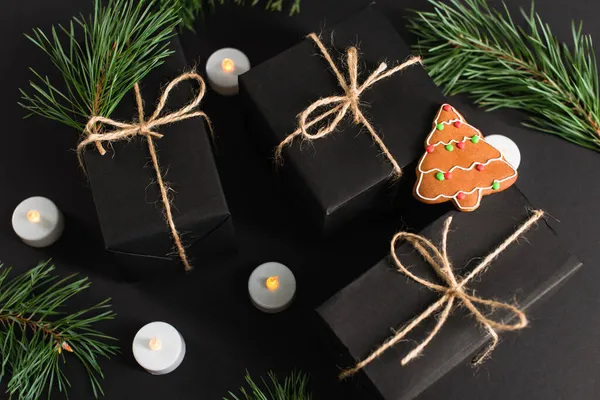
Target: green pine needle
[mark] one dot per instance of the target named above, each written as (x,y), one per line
(294,387)
(100,59)
(37,337)
(190,10)
(471,48)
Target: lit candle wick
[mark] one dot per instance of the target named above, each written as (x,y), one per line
(228,65)
(155,344)
(33,216)
(272,283)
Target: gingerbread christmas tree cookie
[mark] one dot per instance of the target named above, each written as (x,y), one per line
(459,165)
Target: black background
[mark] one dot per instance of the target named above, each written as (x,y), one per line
(557,358)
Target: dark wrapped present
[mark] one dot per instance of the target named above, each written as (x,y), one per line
(398,335)
(363,127)
(128,197)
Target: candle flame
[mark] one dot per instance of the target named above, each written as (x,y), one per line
(272,283)
(155,344)
(34,216)
(228,65)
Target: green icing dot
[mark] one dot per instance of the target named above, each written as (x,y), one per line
(475,139)
(449,147)
(439,127)
(439,176)
(496,185)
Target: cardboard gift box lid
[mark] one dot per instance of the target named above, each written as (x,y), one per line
(123,181)
(344,173)
(362,316)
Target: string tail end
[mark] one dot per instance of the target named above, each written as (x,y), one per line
(348,373)
(396,175)
(538,213)
(484,355)
(278,155)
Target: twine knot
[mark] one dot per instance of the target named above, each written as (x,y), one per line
(146,128)
(338,106)
(453,291)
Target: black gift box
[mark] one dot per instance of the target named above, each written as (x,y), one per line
(128,199)
(361,316)
(342,176)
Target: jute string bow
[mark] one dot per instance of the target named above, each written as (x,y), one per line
(452,292)
(146,128)
(341,104)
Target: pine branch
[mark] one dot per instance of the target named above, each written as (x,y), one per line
(294,387)
(471,48)
(36,335)
(190,10)
(120,44)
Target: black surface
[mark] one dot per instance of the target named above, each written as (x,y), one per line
(362,314)
(344,175)
(558,359)
(128,200)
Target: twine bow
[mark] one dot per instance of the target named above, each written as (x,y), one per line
(350,100)
(146,128)
(453,291)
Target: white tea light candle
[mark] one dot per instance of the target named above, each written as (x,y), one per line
(38,222)
(223,68)
(507,147)
(158,348)
(272,287)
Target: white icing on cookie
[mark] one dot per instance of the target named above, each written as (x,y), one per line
(437,116)
(474,165)
(455,195)
(479,190)
(450,122)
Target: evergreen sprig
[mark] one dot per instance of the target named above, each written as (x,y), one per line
(190,10)
(100,59)
(471,48)
(37,337)
(294,387)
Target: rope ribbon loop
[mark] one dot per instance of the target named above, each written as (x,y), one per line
(326,113)
(452,291)
(147,128)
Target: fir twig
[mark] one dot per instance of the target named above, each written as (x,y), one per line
(120,44)
(37,337)
(190,10)
(294,387)
(471,48)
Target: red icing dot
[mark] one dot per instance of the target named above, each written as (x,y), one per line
(480,167)
(460,145)
(429,149)
(448,175)
(447,107)
(457,124)
(461,196)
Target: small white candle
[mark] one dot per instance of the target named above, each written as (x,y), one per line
(272,287)
(507,147)
(158,348)
(38,222)
(223,68)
